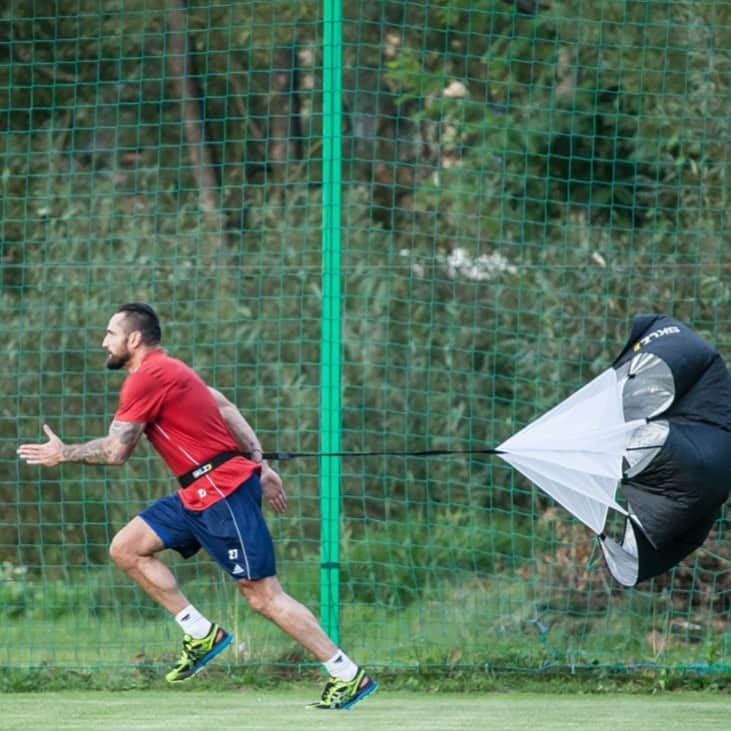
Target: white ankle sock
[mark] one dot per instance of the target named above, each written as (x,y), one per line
(340,666)
(193,623)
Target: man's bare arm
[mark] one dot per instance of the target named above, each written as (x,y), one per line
(240,429)
(248,443)
(114,449)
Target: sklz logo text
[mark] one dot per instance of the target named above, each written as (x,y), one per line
(655,334)
(204,469)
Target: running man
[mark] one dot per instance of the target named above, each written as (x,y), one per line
(219,463)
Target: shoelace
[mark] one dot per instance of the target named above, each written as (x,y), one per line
(329,690)
(189,654)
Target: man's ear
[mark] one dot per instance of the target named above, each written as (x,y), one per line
(134,339)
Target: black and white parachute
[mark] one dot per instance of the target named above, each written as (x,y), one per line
(656,426)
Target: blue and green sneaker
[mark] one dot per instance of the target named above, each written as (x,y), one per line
(197,653)
(339,695)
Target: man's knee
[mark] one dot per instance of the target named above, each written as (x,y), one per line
(120,551)
(135,541)
(260,594)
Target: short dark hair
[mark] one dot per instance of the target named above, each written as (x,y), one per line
(144,319)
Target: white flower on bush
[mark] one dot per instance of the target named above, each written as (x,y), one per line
(11,572)
(459,264)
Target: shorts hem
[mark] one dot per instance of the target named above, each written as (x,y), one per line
(159,532)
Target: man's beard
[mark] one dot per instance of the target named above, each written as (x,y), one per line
(117,362)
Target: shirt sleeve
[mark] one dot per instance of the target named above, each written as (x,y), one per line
(140,399)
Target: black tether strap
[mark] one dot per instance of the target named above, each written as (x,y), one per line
(198,471)
(203,469)
(283,456)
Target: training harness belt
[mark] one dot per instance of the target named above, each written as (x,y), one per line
(189,477)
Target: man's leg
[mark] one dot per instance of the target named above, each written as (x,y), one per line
(267,597)
(134,550)
(348,683)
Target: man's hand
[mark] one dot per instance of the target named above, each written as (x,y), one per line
(48,454)
(271,487)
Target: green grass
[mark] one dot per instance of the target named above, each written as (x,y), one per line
(271,710)
(471,621)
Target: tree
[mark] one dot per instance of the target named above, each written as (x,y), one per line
(180,67)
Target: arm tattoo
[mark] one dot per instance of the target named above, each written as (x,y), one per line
(126,432)
(89,453)
(112,449)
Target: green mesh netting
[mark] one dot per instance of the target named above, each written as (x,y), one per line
(472,198)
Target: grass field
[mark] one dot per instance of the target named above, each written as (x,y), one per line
(473,622)
(271,710)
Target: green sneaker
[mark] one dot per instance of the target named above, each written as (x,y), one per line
(196,653)
(340,695)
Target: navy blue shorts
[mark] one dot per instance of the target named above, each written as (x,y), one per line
(232,531)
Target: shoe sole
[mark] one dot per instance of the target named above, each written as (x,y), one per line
(363,694)
(219,648)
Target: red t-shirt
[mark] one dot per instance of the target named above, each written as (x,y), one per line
(184,425)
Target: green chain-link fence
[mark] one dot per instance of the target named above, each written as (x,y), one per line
(376,226)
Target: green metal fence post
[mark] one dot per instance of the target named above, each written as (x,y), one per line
(330,350)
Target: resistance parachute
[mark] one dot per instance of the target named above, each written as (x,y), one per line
(656,427)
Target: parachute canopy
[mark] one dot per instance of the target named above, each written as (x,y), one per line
(657,427)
